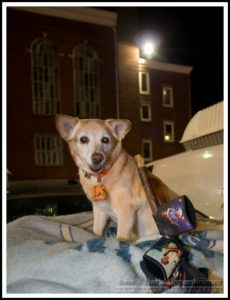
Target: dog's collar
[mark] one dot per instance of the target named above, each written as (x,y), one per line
(98,175)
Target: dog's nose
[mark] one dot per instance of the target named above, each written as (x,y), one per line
(97,158)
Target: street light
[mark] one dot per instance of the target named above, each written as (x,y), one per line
(148,49)
(147,42)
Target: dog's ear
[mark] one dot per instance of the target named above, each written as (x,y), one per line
(65,126)
(119,127)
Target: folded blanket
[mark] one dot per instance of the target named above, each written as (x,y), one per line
(62,255)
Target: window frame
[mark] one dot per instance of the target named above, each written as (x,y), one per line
(171,123)
(86,81)
(149,106)
(45,157)
(149,142)
(170,88)
(45,77)
(141,90)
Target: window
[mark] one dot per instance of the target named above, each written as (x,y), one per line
(146,150)
(46,98)
(145,110)
(167,94)
(144,83)
(168,131)
(48,150)
(86,82)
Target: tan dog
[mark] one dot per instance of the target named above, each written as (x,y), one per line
(109,175)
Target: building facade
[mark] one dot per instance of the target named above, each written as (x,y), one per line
(78,61)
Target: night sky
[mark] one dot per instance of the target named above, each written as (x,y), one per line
(191,36)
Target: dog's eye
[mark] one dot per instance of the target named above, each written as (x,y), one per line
(84,139)
(105,140)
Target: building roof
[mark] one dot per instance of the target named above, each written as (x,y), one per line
(82,14)
(162,66)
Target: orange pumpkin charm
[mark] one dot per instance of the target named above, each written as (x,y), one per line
(99,192)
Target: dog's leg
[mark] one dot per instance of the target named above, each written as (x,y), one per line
(100,219)
(125,221)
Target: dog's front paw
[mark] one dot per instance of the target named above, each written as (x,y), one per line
(123,239)
(98,233)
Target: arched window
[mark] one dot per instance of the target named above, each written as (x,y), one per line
(45,77)
(86,82)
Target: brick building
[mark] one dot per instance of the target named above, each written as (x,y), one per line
(83,61)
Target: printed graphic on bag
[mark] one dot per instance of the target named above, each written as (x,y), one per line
(176,216)
(166,253)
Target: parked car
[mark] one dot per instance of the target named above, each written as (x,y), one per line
(198,172)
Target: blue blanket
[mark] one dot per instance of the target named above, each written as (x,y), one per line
(62,255)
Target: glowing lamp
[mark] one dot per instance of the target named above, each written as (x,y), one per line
(167,137)
(148,42)
(148,49)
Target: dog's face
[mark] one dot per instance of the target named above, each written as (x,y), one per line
(94,144)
